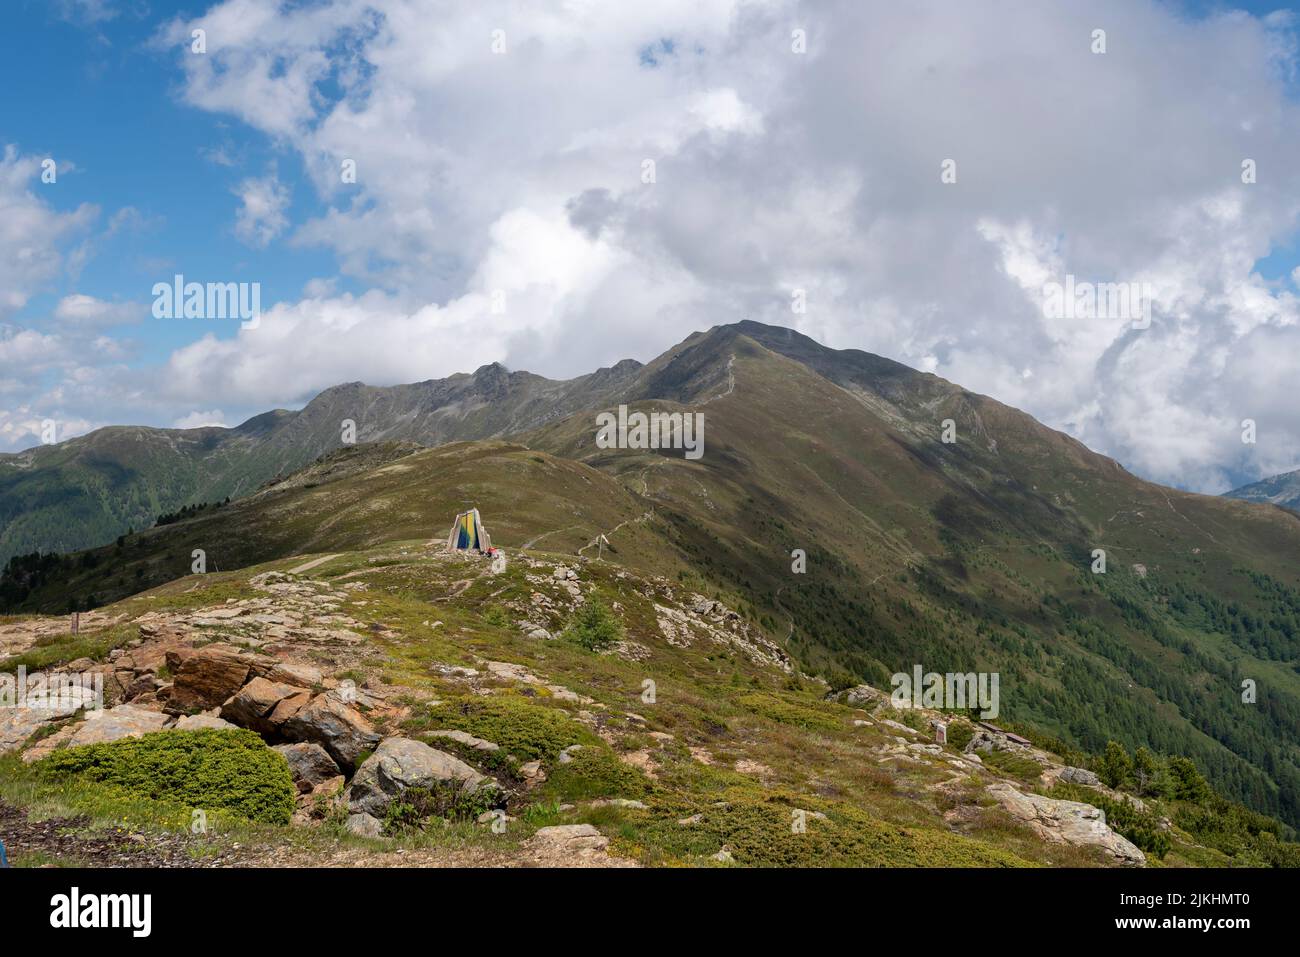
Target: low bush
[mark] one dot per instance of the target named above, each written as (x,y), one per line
(796,714)
(595,772)
(593,626)
(525,730)
(208,769)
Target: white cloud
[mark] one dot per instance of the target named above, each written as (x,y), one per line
(198,420)
(522,172)
(86,312)
(261,216)
(32,232)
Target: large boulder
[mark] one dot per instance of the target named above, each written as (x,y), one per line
(400,764)
(337,727)
(310,764)
(1079,776)
(206,678)
(1066,822)
(252,706)
(861,696)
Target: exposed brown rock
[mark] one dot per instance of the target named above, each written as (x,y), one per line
(252,705)
(206,678)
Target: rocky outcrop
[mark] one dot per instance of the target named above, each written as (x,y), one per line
(400,764)
(252,706)
(310,765)
(336,726)
(703,619)
(1066,822)
(19,723)
(205,678)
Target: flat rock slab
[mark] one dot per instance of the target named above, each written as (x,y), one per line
(572,845)
(463,737)
(124,721)
(1066,822)
(201,722)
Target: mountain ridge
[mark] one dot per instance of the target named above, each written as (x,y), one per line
(974,555)
(1282,490)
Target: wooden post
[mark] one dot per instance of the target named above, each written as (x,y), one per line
(76,622)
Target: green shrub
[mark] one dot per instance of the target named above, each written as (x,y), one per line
(525,730)
(757,827)
(1187,782)
(595,772)
(1116,767)
(207,769)
(593,626)
(798,715)
(417,806)
(1012,763)
(959,734)
(914,720)
(1252,839)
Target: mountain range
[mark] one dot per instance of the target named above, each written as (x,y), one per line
(1281,490)
(936,527)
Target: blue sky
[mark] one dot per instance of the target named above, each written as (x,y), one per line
(101,96)
(516,174)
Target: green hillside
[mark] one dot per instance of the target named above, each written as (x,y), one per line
(974,555)
(87,491)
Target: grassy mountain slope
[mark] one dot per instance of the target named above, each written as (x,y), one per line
(969,556)
(356,498)
(88,490)
(977,555)
(732,761)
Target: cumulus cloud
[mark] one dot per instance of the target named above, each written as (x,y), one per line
(618,175)
(261,216)
(79,311)
(33,234)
